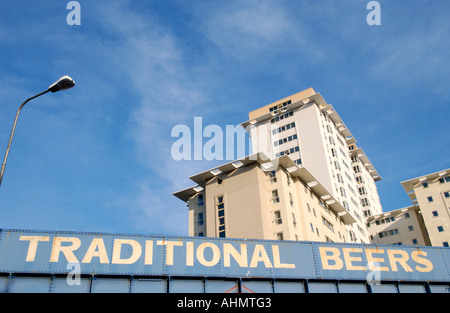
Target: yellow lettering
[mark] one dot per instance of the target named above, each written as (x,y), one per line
(350,259)
(402,260)
(201,254)
(428,265)
(372,261)
(32,248)
(276,259)
(66,250)
(189,253)
(326,258)
(260,255)
(148,252)
(169,249)
(96,249)
(117,249)
(240,258)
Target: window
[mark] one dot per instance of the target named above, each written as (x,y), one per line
(414,241)
(221,216)
(435,213)
(277,218)
(430,199)
(275,198)
(425,185)
(336,165)
(331,141)
(440,229)
(365,202)
(200,219)
(444,180)
(200,200)
(359,180)
(406,215)
(388,233)
(385,220)
(281,117)
(291,200)
(280,236)
(328,224)
(294,220)
(272,177)
(447,194)
(410,228)
(445,244)
(352,236)
(345,204)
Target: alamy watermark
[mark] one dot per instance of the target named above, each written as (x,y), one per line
(374,276)
(230,143)
(374,16)
(73,277)
(74,16)
(209,143)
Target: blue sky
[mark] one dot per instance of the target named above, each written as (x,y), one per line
(97,157)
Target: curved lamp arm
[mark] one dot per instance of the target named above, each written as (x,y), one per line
(64,82)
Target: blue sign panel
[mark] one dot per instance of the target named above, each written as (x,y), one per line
(117,254)
(381,263)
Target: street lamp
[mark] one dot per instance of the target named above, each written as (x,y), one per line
(63,83)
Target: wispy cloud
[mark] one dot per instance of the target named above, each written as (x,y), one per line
(413,58)
(254,30)
(165,93)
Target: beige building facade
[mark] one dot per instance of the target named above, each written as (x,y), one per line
(259,198)
(426,222)
(308,130)
(432,194)
(400,227)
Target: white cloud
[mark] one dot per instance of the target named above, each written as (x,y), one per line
(254,29)
(153,66)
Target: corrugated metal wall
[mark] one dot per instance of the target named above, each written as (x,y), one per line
(103,284)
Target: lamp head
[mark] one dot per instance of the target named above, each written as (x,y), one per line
(64,82)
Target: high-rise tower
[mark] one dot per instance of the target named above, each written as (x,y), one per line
(310,131)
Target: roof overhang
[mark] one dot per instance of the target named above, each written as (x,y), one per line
(329,110)
(266,164)
(410,184)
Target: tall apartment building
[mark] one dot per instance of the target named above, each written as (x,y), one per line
(432,194)
(258,198)
(310,131)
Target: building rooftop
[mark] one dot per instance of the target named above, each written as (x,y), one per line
(410,184)
(301,99)
(394,213)
(302,173)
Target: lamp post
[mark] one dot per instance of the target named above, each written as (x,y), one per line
(63,83)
